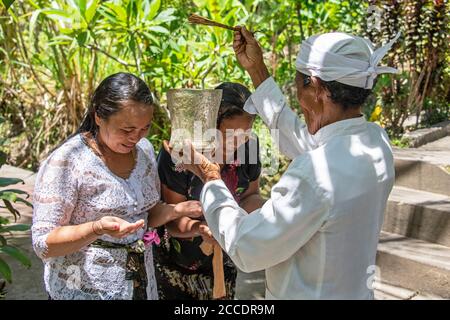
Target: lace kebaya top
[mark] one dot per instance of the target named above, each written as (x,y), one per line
(74,186)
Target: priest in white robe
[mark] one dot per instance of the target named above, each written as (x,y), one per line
(317,235)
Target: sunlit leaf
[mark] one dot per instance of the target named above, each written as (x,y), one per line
(26,202)
(152,38)
(153,10)
(91,11)
(11,209)
(159,29)
(119,12)
(9,181)
(5,270)
(15,227)
(82,37)
(132,44)
(166,16)
(33,19)
(7,3)
(16,254)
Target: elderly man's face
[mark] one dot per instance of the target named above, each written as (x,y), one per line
(308,93)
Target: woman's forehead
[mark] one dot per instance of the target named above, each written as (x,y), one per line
(133,115)
(239,121)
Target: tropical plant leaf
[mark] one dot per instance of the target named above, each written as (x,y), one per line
(81,6)
(11,209)
(3,241)
(91,11)
(159,29)
(5,270)
(7,3)
(16,254)
(15,227)
(16,191)
(25,202)
(32,26)
(176,245)
(81,38)
(9,181)
(154,7)
(10,196)
(3,157)
(166,16)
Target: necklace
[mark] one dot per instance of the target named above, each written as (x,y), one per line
(101,150)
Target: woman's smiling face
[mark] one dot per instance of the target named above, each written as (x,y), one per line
(123,130)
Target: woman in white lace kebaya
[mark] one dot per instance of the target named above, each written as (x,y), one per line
(95,197)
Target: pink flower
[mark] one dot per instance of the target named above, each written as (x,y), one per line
(151,237)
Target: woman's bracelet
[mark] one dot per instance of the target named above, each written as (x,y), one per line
(210,171)
(93,229)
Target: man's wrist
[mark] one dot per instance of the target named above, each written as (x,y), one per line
(175,213)
(209,171)
(214,178)
(211,176)
(258,75)
(96,229)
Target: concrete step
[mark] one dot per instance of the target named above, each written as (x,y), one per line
(413,264)
(442,145)
(421,137)
(423,170)
(250,286)
(418,214)
(386,291)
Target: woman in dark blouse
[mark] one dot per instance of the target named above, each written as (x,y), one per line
(183,271)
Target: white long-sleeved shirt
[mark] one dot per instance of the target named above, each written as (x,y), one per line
(317,235)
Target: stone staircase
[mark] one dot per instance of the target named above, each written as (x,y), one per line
(414,249)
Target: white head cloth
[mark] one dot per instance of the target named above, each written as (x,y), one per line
(344,58)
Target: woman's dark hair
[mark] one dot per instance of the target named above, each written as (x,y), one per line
(345,95)
(234,96)
(110,94)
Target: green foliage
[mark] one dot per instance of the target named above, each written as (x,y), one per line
(7,3)
(400,142)
(56,52)
(8,197)
(436,110)
(421,55)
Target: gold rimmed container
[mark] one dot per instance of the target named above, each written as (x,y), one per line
(193,115)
